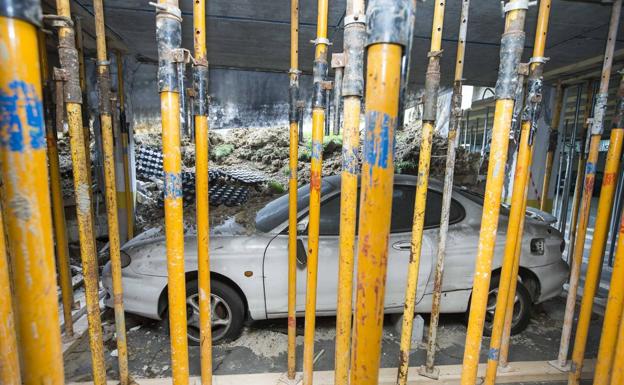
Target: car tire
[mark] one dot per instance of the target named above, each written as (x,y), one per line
(522,309)
(229,308)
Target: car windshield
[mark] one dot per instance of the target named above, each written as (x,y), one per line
(276,211)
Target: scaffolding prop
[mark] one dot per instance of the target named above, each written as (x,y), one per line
(602,221)
(512,44)
(171,58)
(53,119)
(70,66)
(352,91)
(319,106)
(432,85)
(106,125)
(27,210)
(388,39)
(429,369)
(200,88)
(530,115)
(605,202)
(615,301)
(294,130)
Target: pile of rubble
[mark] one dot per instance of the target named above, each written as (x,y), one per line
(249,167)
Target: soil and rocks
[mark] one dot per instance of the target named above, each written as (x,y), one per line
(264,151)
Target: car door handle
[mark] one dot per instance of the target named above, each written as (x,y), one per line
(402,245)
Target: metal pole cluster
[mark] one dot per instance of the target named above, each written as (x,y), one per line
(352,91)
(381,33)
(429,369)
(512,44)
(432,85)
(511,262)
(106,126)
(602,220)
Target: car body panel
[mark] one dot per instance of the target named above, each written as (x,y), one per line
(264,257)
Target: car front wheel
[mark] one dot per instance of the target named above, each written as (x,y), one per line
(227,312)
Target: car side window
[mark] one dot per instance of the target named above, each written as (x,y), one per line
(403,209)
(403,198)
(329,223)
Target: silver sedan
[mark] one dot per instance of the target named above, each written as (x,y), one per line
(249,271)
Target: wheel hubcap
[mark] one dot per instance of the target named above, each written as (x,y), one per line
(491,308)
(220,317)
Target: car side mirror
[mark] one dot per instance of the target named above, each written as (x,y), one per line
(302,254)
(302,225)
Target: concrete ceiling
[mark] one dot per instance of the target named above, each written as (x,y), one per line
(254,34)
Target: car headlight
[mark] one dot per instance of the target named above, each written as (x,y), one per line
(125,259)
(537,246)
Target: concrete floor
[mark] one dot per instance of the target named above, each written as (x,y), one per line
(262,346)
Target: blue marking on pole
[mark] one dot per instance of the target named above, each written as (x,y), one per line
(317,150)
(590,168)
(379,147)
(21,99)
(350,160)
(173,185)
(493,354)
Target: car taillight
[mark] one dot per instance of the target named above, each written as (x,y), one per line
(125,259)
(537,246)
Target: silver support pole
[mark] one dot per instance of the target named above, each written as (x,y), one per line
(570,160)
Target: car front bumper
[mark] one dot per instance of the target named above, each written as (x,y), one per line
(141,293)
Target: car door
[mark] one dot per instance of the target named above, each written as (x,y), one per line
(276,264)
(400,244)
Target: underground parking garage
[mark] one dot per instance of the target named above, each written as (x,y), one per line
(315,192)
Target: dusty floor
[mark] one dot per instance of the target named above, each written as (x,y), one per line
(262,347)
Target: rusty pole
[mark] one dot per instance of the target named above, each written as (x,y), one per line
(69,59)
(512,44)
(388,38)
(26,206)
(56,195)
(530,116)
(352,91)
(83,88)
(294,129)
(200,85)
(106,125)
(615,302)
(604,205)
(605,202)
(171,61)
(319,107)
(429,369)
(432,85)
